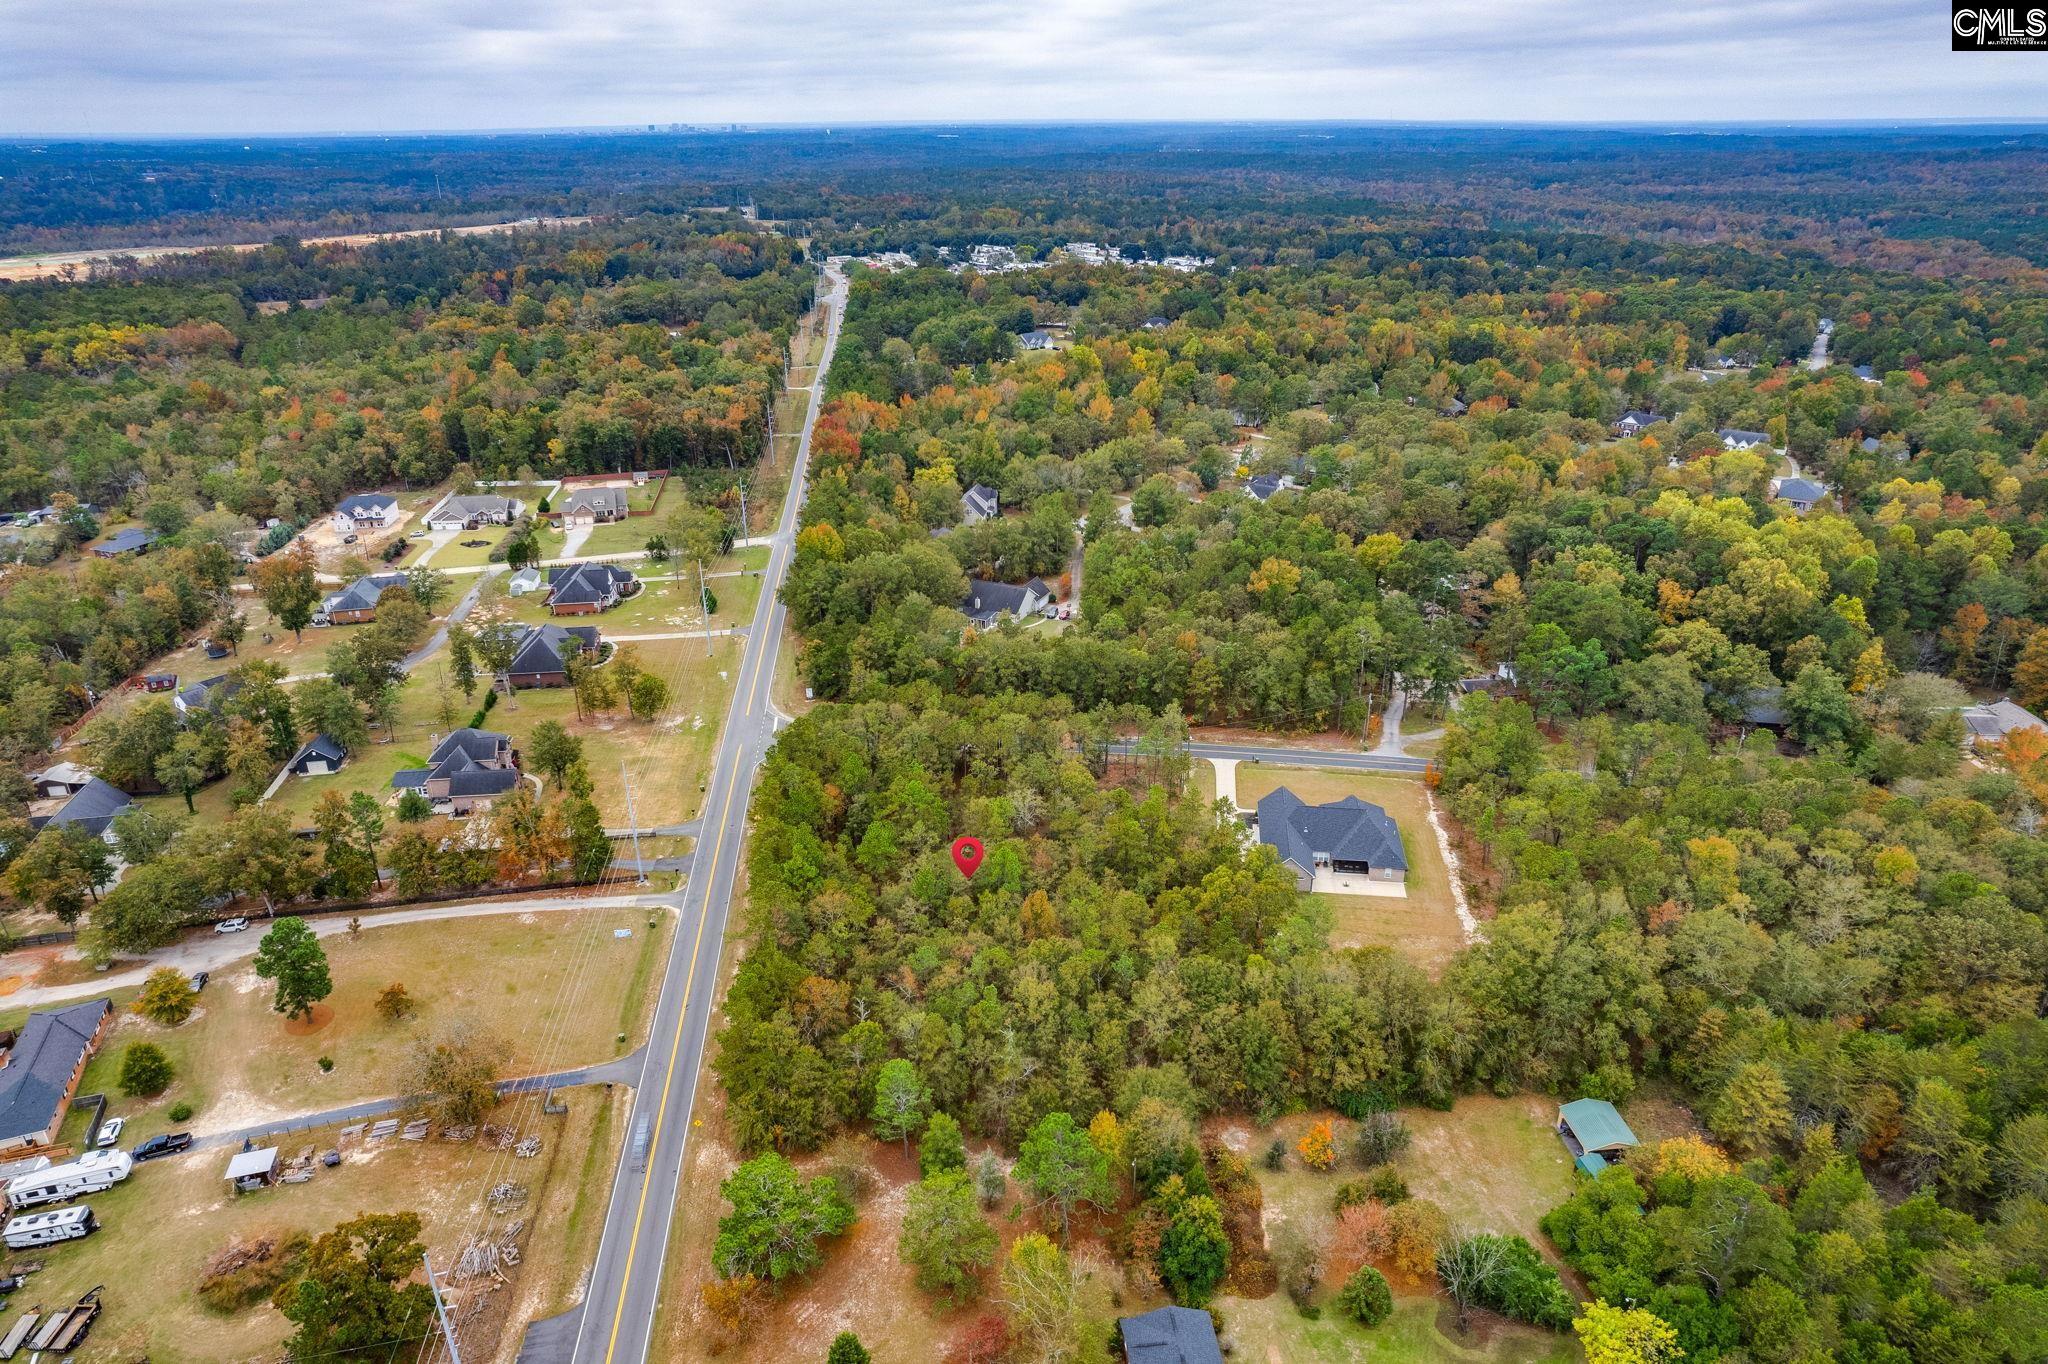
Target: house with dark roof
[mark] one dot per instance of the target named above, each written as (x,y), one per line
(1635,420)
(586,589)
(1328,846)
(1035,339)
(466,770)
(60,780)
(356,604)
(365,511)
(978,503)
(209,695)
(467,511)
(1170,1335)
(321,756)
(1800,494)
(91,807)
(130,541)
(1867,374)
(1764,708)
(1735,438)
(1263,486)
(541,657)
(593,506)
(1454,408)
(990,603)
(42,1071)
(1594,1132)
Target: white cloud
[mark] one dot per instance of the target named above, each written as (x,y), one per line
(245,66)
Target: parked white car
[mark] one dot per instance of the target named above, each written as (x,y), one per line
(110,1132)
(231,925)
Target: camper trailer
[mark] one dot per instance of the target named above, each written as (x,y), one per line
(90,1173)
(43,1228)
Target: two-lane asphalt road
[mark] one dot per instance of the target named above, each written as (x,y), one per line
(617,1316)
(1282,755)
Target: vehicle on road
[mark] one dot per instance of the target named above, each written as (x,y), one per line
(199,979)
(163,1144)
(231,925)
(110,1132)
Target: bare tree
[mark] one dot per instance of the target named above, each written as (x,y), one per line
(1467,1262)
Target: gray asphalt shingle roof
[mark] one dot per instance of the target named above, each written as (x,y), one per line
(37,1075)
(1171,1335)
(1348,830)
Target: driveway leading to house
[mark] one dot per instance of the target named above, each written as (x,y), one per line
(572,540)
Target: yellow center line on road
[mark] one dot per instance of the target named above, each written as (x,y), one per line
(676,1044)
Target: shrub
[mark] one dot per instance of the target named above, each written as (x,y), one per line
(1385,1183)
(985,1340)
(1276,1156)
(1381,1137)
(1297,1256)
(145,1070)
(244,1273)
(990,1182)
(1365,1297)
(179,1111)
(394,1003)
(1414,1228)
(1364,1231)
(167,997)
(326,1064)
(1318,1150)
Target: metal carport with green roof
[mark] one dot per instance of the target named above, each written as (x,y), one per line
(1593,1132)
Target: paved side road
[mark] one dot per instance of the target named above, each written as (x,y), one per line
(209,951)
(1285,755)
(623,1071)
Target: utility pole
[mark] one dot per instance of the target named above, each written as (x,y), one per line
(441,1311)
(746,528)
(633,823)
(700,606)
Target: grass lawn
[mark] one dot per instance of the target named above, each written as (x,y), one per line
(293,655)
(1425,925)
(557,987)
(1493,1164)
(161,1225)
(462,553)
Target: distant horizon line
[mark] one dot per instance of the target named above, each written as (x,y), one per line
(741,127)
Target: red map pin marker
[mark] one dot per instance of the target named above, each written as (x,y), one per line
(967,854)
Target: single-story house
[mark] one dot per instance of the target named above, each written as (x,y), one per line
(465,770)
(1035,339)
(130,541)
(467,511)
(585,589)
(1593,1132)
(1635,420)
(524,581)
(542,656)
(1764,708)
(207,695)
(990,603)
(1454,408)
(59,780)
(356,604)
(1170,1335)
(1154,324)
(252,1170)
(1348,837)
(91,807)
(319,757)
(1867,375)
(1800,494)
(977,504)
(1733,438)
(41,1074)
(590,506)
(1989,724)
(365,511)
(1263,486)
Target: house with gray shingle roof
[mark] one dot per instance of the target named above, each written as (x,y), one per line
(1995,721)
(1735,438)
(1170,1335)
(585,589)
(129,541)
(356,604)
(541,657)
(592,506)
(1800,494)
(467,511)
(1346,838)
(209,695)
(42,1071)
(1634,420)
(465,770)
(92,807)
(363,511)
(977,504)
(990,603)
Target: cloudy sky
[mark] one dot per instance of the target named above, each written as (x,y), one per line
(126,67)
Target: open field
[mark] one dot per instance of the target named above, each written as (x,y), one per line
(558,988)
(469,548)
(162,1224)
(1425,925)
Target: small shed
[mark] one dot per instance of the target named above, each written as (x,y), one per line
(524,581)
(160,682)
(250,1170)
(1592,1127)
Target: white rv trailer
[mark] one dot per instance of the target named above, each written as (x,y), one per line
(91,1172)
(43,1228)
